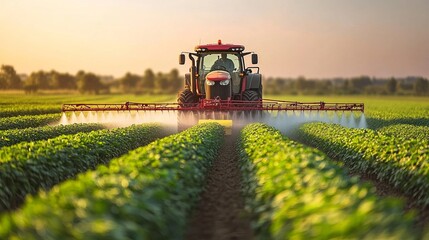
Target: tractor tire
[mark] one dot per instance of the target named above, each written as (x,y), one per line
(187,98)
(250,95)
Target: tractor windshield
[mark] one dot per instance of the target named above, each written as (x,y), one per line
(225,61)
(219,61)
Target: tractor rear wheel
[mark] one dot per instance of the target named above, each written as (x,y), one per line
(187,98)
(250,95)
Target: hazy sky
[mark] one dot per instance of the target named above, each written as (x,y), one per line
(313,38)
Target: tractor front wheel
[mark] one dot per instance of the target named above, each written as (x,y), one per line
(250,95)
(187,98)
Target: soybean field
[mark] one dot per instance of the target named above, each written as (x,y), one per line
(315,180)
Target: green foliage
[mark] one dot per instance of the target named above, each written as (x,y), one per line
(28,121)
(151,83)
(129,82)
(396,160)
(89,83)
(406,131)
(38,80)
(417,86)
(40,101)
(14,136)
(9,79)
(22,110)
(29,166)
(296,192)
(146,194)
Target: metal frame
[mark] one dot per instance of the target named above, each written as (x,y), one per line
(218,105)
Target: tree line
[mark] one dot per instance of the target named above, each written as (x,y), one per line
(417,86)
(87,82)
(171,82)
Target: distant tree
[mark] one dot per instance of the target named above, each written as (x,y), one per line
(358,84)
(148,80)
(346,86)
(405,87)
(30,87)
(68,81)
(89,83)
(269,86)
(3,82)
(9,77)
(421,86)
(322,87)
(310,86)
(391,86)
(79,75)
(130,82)
(279,85)
(174,80)
(40,79)
(162,83)
(300,84)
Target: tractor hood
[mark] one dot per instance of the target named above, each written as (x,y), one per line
(218,75)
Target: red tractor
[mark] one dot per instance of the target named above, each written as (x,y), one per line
(218,86)
(219,71)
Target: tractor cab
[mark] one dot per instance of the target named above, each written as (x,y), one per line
(218,71)
(224,68)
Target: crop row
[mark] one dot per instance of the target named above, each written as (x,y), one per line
(383,112)
(399,161)
(28,121)
(145,194)
(14,136)
(21,110)
(296,192)
(29,166)
(406,131)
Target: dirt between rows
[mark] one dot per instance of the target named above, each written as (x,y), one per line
(220,212)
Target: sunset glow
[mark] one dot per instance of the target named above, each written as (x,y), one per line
(311,38)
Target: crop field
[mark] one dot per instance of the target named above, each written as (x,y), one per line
(316,180)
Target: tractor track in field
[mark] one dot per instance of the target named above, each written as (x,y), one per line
(220,213)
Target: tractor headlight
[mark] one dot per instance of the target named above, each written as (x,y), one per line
(210,83)
(224,82)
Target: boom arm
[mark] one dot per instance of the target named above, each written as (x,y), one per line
(219,105)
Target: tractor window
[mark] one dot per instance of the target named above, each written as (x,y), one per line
(219,61)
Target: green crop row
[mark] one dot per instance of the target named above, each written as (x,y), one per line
(29,166)
(28,121)
(21,110)
(296,192)
(406,131)
(14,136)
(399,161)
(145,194)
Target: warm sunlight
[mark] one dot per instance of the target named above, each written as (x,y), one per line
(309,38)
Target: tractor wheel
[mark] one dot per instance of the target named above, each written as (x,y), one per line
(250,95)
(187,98)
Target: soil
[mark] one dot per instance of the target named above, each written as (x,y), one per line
(220,212)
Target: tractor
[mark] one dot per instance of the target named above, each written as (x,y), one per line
(218,71)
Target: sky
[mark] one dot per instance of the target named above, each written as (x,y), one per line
(311,38)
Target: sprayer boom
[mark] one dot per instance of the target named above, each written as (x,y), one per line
(219,105)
